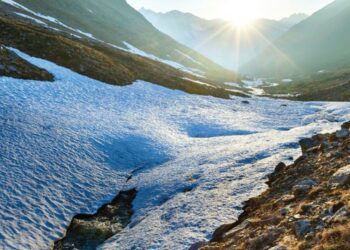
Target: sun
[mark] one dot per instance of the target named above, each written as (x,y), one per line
(241,22)
(240,12)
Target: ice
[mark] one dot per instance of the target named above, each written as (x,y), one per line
(69,146)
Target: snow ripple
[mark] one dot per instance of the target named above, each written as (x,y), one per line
(69,146)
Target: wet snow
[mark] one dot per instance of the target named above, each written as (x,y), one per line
(69,146)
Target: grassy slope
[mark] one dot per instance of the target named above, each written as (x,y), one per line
(328,86)
(95,59)
(114,21)
(13,66)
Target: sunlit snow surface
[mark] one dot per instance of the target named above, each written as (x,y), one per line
(69,146)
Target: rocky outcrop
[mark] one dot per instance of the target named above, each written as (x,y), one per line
(307,205)
(87,231)
(13,66)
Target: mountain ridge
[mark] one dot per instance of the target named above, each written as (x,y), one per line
(305,48)
(218,39)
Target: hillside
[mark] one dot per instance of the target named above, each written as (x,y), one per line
(117,23)
(320,42)
(219,40)
(307,205)
(12,65)
(92,57)
(321,86)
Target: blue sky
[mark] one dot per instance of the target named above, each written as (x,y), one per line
(235,9)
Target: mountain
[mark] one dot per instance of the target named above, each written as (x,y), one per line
(108,41)
(219,40)
(319,42)
(116,22)
(294,19)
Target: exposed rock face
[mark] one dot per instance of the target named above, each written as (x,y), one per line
(87,232)
(307,205)
(341,177)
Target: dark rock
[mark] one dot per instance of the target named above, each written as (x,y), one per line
(280,167)
(342,133)
(308,143)
(302,228)
(245,102)
(346,125)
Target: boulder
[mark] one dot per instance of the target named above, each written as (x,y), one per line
(302,228)
(308,143)
(346,125)
(340,134)
(303,186)
(341,177)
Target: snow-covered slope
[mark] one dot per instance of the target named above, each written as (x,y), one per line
(69,146)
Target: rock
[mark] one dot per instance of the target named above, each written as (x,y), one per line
(303,186)
(264,239)
(245,102)
(280,167)
(288,198)
(278,247)
(342,133)
(198,245)
(341,215)
(284,211)
(12,68)
(302,228)
(341,177)
(307,143)
(346,125)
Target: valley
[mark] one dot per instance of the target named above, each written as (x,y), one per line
(115,135)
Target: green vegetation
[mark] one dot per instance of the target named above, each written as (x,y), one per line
(325,86)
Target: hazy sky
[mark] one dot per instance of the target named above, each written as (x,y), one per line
(235,10)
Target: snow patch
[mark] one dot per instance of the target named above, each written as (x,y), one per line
(197,81)
(69,146)
(173,64)
(31,18)
(287,80)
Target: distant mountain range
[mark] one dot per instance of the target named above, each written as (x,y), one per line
(220,40)
(320,42)
(294,19)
